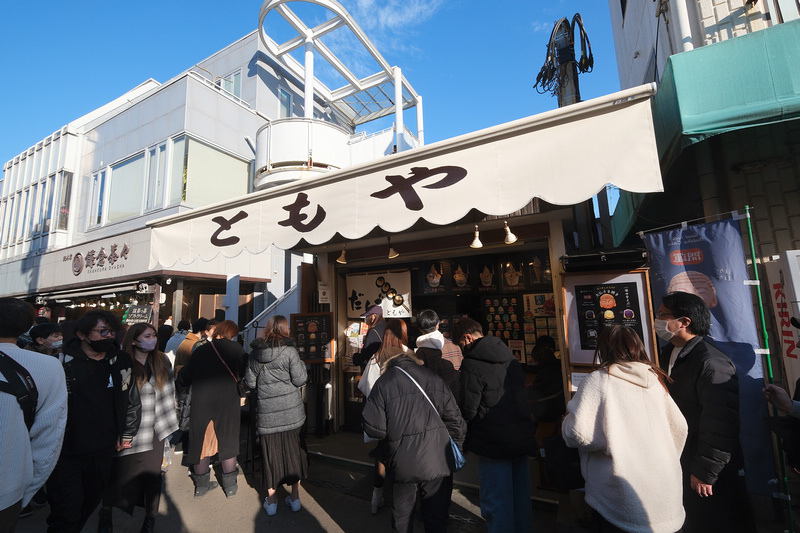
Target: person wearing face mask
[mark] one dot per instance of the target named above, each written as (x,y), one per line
(706,389)
(136,471)
(46,338)
(103,417)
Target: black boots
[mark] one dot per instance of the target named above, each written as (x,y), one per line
(148,525)
(104,524)
(229,483)
(202,484)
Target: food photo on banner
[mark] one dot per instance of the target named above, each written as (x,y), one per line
(708,260)
(390,290)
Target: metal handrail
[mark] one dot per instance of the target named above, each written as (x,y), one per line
(253,324)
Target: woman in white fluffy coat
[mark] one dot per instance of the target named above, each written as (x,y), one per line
(630,435)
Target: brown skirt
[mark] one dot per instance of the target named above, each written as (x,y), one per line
(284,458)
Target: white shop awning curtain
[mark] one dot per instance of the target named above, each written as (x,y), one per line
(563,156)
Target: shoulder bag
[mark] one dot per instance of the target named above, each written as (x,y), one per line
(457,458)
(240,386)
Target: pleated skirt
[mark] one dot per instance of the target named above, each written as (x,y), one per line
(285,458)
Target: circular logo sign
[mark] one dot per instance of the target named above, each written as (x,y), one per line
(77,264)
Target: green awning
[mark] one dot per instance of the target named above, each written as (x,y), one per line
(747,81)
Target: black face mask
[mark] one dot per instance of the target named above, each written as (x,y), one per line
(103,345)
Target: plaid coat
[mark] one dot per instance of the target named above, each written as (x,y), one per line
(158,415)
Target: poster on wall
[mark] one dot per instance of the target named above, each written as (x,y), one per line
(462,278)
(390,290)
(433,280)
(601,305)
(312,334)
(488,277)
(513,278)
(594,300)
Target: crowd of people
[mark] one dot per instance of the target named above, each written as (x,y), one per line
(90,410)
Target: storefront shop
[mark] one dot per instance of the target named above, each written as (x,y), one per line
(409,220)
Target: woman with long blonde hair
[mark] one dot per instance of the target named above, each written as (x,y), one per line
(276,374)
(136,471)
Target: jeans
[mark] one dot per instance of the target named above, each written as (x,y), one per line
(505,494)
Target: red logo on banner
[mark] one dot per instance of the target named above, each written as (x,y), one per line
(692,256)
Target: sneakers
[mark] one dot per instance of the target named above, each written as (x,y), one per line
(377,499)
(271,508)
(294,504)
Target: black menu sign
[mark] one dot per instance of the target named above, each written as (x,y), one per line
(602,305)
(312,333)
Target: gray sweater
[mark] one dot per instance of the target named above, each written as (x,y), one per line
(275,374)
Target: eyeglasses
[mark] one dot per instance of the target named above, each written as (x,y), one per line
(105,332)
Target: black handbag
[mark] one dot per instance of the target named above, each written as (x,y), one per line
(562,464)
(241,388)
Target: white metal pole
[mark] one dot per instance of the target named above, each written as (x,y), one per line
(309,78)
(682,26)
(420,127)
(398,109)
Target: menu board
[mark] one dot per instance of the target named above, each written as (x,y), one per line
(312,333)
(601,305)
(138,313)
(503,317)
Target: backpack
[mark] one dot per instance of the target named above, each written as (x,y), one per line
(19,383)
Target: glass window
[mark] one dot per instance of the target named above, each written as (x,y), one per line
(47,203)
(22,214)
(3,225)
(213,176)
(177,187)
(33,229)
(285,97)
(232,83)
(65,194)
(8,220)
(126,189)
(156,176)
(98,198)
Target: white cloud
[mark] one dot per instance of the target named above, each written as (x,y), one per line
(542,27)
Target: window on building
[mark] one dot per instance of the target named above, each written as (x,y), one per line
(232,83)
(212,175)
(177,184)
(33,227)
(3,225)
(8,220)
(47,203)
(65,194)
(22,214)
(98,198)
(156,176)
(285,98)
(126,189)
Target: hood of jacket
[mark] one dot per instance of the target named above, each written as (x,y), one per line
(434,340)
(265,352)
(638,374)
(490,350)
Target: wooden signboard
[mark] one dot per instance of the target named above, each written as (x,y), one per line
(313,334)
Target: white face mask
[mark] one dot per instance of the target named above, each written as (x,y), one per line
(662,329)
(55,344)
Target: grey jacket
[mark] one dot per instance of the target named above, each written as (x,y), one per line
(276,374)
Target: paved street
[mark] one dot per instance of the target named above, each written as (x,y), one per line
(335,498)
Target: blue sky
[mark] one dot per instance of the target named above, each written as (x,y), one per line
(474,66)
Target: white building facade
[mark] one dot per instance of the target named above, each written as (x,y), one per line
(74,207)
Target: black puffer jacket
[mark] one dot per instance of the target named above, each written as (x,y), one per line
(417,437)
(706,390)
(494,401)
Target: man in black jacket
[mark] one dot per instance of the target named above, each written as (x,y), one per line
(103,417)
(417,436)
(500,431)
(706,389)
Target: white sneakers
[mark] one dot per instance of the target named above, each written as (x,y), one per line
(272,508)
(294,504)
